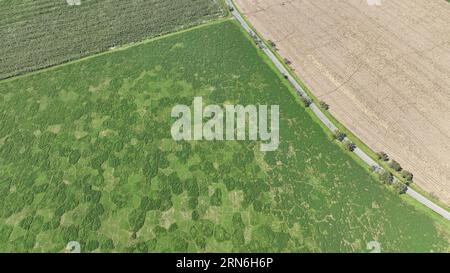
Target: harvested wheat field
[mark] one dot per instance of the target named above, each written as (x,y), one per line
(384,70)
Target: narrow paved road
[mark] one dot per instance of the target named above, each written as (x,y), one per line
(360,153)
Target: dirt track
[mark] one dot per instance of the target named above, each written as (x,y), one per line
(385,71)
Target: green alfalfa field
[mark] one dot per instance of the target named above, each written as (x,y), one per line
(86,155)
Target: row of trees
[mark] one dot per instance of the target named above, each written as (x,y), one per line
(386,177)
(394,165)
(346,143)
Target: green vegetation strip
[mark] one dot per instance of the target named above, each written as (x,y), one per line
(86,155)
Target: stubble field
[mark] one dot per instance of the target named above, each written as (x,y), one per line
(383,69)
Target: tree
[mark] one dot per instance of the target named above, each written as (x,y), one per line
(339,135)
(349,146)
(307,102)
(395,165)
(272,44)
(407,175)
(383,156)
(386,177)
(400,188)
(324,105)
(374,168)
